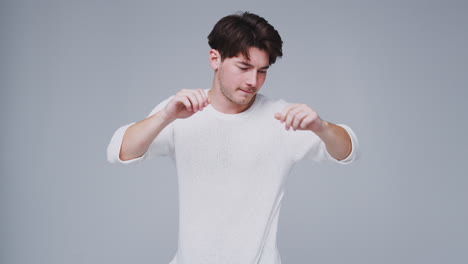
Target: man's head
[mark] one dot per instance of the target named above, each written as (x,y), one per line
(237,33)
(243,47)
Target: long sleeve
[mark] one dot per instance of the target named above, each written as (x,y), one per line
(303,144)
(318,152)
(162,145)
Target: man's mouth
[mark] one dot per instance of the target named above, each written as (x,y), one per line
(246,91)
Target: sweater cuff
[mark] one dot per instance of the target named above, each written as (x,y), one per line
(354,155)
(113,150)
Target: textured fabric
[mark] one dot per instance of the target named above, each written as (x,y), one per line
(231,171)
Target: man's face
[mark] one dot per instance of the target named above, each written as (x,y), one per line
(240,79)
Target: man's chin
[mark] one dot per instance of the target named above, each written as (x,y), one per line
(246,101)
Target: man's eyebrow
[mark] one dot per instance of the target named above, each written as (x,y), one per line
(250,65)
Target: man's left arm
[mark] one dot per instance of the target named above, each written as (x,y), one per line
(302,117)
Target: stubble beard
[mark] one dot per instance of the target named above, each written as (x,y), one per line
(229,94)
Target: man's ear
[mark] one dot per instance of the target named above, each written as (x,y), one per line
(215,59)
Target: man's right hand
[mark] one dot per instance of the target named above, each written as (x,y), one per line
(184,104)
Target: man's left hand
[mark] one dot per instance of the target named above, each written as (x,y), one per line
(301,117)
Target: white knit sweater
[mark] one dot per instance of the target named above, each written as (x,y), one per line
(231,171)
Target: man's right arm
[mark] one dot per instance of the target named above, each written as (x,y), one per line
(139,136)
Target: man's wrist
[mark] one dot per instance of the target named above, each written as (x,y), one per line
(321,130)
(163,117)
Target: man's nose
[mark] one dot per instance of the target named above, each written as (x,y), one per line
(252,78)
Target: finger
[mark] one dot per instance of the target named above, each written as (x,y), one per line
(298,120)
(181,97)
(203,99)
(199,97)
(278,116)
(285,111)
(193,100)
(291,116)
(206,93)
(185,101)
(307,121)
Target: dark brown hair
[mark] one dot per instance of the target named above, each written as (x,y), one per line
(237,33)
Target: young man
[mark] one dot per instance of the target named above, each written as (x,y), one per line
(233,148)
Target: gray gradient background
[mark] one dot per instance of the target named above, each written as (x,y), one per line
(72,72)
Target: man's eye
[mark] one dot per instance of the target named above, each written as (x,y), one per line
(262,71)
(244,69)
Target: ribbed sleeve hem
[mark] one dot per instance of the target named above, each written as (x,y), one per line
(113,150)
(354,155)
